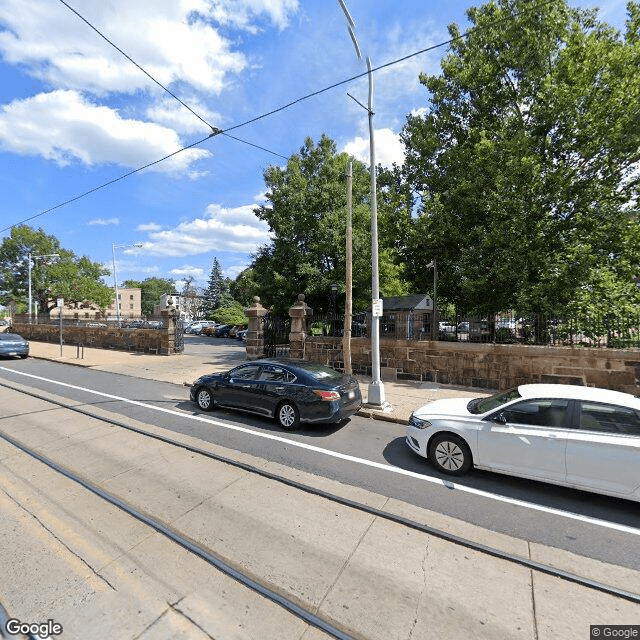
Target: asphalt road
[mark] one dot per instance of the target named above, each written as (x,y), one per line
(365,453)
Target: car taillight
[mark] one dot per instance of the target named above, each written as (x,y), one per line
(327,395)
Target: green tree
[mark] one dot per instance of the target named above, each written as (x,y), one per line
(307,215)
(244,288)
(152,290)
(231,314)
(526,161)
(76,279)
(214,288)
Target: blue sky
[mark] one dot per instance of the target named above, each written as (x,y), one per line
(75,114)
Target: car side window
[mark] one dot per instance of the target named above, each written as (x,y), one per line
(245,373)
(549,412)
(276,374)
(595,416)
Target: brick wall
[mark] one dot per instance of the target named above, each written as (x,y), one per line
(488,366)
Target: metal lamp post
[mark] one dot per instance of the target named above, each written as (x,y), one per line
(114,246)
(375,390)
(30,258)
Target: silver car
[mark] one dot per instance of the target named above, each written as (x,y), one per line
(12,345)
(580,437)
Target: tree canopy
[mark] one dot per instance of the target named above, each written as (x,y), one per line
(152,290)
(526,161)
(76,279)
(306,212)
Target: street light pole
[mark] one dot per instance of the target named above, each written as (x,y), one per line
(375,391)
(115,246)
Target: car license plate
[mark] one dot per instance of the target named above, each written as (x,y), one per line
(351,395)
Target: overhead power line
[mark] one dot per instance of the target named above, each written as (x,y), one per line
(217,131)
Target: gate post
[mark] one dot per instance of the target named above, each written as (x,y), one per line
(255,333)
(168,332)
(298,314)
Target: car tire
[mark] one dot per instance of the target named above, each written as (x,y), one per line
(204,399)
(288,416)
(450,454)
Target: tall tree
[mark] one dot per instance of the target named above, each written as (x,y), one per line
(306,212)
(526,160)
(152,290)
(215,287)
(76,279)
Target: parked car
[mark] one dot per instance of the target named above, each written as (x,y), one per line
(446,327)
(12,345)
(289,391)
(463,327)
(242,335)
(222,331)
(580,437)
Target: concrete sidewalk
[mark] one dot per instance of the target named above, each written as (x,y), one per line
(402,397)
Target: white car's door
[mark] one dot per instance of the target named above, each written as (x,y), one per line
(603,451)
(527,438)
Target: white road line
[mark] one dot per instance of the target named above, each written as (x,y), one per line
(343,456)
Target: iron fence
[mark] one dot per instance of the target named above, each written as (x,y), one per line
(128,322)
(603,331)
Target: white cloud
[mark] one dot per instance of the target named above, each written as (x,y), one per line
(171,40)
(184,272)
(63,126)
(104,222)
(236,229)
(150,226)
(389,148)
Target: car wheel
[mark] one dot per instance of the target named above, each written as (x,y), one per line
(204,399)
(288,416)
(450,454)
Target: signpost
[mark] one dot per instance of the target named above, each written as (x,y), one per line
(60,305)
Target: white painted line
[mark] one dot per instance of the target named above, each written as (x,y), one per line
(343,456)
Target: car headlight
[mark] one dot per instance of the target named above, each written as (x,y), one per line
(418,423)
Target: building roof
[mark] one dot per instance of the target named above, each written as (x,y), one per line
(408,303)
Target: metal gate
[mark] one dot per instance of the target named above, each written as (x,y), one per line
(276,331)
(179,337)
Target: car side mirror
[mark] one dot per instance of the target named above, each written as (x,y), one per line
(500,418)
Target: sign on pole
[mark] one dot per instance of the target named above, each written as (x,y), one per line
(376,308)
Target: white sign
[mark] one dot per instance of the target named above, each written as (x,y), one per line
(60,302)
(376,308)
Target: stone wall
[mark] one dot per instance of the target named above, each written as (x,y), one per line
(143,340)
(488,366)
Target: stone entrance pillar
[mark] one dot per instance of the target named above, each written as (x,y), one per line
(299,313)
(255,333)
(168,339)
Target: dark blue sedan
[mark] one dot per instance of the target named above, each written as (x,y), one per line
(289,391)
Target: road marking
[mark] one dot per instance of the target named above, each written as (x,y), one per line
(448,484)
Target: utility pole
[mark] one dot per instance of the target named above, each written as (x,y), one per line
(348,304)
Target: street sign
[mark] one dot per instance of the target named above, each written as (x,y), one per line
(376,308)
(60,303)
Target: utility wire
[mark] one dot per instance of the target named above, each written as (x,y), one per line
(216,131)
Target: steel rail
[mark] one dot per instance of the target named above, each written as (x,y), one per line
(296,609)
(438,533)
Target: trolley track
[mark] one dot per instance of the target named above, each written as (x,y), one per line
(294,607)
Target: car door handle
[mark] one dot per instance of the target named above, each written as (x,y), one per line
(246,386)
(279,388)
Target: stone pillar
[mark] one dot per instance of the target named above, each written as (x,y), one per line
(255,333)
(299,313)
(168,339)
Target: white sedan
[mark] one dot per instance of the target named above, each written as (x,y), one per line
(580,437)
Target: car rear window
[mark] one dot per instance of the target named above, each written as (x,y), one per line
(320,372)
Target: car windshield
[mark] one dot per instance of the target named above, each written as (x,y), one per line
(482,405)
(320,372)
